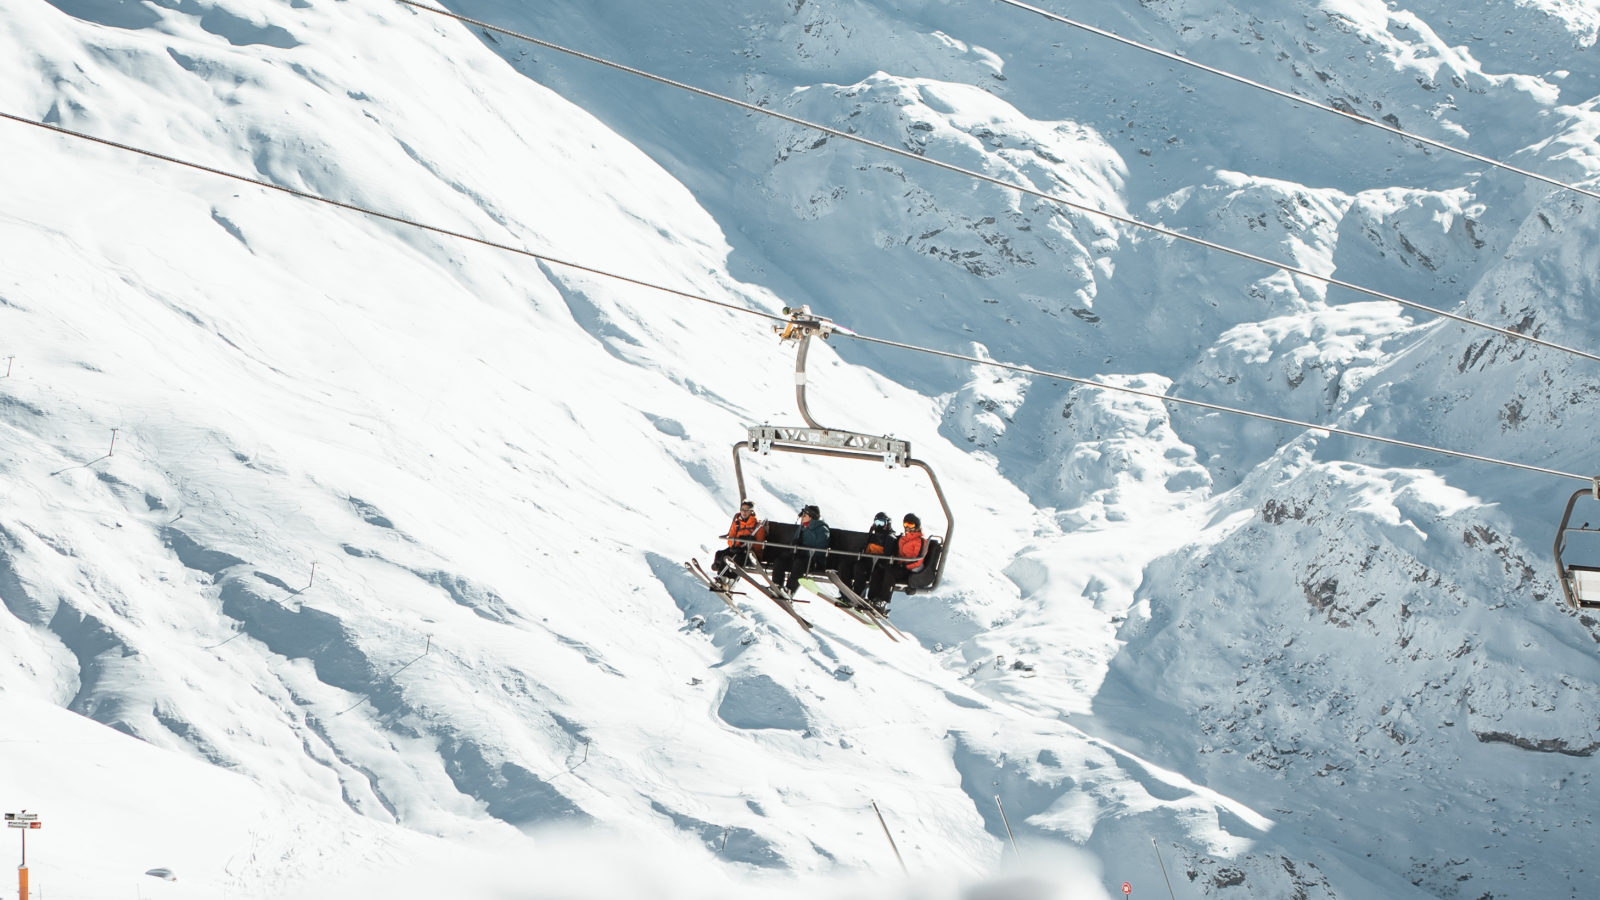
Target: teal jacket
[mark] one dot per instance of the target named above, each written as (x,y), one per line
(815,536)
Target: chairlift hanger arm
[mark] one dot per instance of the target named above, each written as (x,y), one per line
(802,326)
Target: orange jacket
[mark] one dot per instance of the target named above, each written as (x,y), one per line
(911,546)
(749,529)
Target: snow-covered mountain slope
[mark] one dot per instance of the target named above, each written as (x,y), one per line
(1302,666)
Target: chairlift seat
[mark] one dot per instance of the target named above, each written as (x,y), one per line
(923,578)
(848,541)
(782,532)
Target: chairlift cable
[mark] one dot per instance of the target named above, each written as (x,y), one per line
(844,332)
(1214,407)
(1000,182)
(1289,95)
(542,257)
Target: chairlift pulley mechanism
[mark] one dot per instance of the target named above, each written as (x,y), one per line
(803,323)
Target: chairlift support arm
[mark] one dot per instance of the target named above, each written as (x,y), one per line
(802,327)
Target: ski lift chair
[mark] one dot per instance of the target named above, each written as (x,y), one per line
(1579,584)
(816,440)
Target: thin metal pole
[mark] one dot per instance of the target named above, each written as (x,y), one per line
(113,449)
(1163,869)
(1007,823)
(8,365)
(898,858)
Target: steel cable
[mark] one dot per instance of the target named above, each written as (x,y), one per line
(1214,407)
(999,182)
(382,215)
(845,332)
(1289,95)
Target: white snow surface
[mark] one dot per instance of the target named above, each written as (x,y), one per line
(380,589)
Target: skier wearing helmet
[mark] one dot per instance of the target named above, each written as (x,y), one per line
(910,553)
(881,540)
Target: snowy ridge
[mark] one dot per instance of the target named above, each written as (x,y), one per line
(1304,666)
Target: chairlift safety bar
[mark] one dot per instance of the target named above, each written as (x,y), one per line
(878,556)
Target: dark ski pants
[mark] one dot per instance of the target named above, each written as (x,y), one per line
(787,569)
(884,580)
(737,553)
(858,571)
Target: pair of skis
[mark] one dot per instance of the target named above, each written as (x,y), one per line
(714,586)
(854,605)
(766,588)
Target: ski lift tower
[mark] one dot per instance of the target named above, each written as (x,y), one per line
(26,821)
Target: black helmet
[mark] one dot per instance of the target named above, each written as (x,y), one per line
(911,519)
(811,511)
(881,520)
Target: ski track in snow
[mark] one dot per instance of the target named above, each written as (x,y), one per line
(1301,666)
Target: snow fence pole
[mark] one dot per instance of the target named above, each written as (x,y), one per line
(897,857)
(1163,869)
(1007,823)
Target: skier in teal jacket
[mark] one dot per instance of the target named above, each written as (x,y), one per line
(811,557)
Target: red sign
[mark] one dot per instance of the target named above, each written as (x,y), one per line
(1127,888)
(35,824)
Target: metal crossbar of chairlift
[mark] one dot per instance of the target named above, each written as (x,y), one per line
(877,556)
(817,440)
(1579,584)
